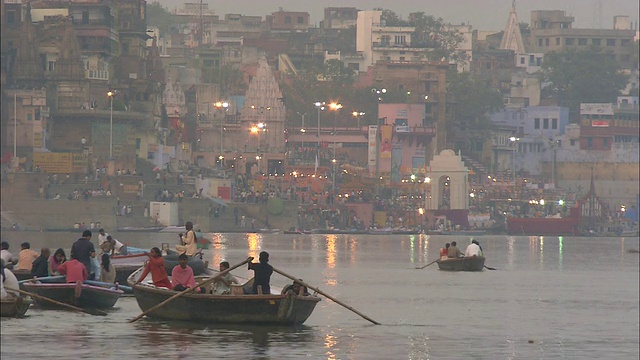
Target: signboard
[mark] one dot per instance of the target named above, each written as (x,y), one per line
(56,163)
(385,142)
(373,133)
(402,125)
(600,123)
(37,140)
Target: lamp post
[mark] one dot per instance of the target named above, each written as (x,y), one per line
(514,141)
(357,115)
(302,130)
(221,105)
(111,94)
(320,106)
(378,93)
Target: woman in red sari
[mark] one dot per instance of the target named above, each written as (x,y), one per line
(155,265)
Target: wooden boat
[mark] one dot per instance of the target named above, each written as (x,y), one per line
(473,263)
(22,274)
(14,306)
(238,308)
(90,296)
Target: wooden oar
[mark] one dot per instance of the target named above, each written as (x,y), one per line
(184,292)
(489,268)
(40,297)
(422,267)
(326,295)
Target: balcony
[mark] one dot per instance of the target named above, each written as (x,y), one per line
(97,74)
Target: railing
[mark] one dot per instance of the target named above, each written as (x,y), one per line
(97,74)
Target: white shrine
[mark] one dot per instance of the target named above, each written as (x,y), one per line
(448,168)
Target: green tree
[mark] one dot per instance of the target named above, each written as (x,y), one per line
(573,77)
(440,39)
(471,102)
(335,71)
(160,17)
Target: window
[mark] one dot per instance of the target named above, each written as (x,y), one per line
(589,142)
(539,42)
(300,20)
(51,65)
(125,48)
(536,123)
(554,124)
(287,19)
(625,42)
(611,42)
(596,42)
(545,123)
(522,60)
(427,108)
(427,87)
(569,41)
(605,142)
(11,17)
(557,41)
(401,58)
(514,116)
(582,42)
(29,116)
(400,39)
(37,114)
(546,42)
(85,17)
(138,141)
(573,142)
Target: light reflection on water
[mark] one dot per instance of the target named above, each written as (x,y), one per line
(573,297)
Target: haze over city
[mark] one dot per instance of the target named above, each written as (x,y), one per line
(482,14)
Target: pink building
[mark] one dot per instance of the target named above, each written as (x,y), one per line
(405,141)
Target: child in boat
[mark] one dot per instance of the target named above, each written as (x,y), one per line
(155,265)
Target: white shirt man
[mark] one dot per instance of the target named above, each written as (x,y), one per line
(473,250)
(102,237)
(9,281)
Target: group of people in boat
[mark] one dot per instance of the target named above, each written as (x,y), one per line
(451,251)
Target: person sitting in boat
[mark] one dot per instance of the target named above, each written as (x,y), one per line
(297,288)
(155,265)
(222,285)
(7,257)
(453,251)
(107,271)
(40,266)
(113,247)
(74,270)
(444,251)
(58,258)
(189,244)
(182,277)
(473,249)
(262,273)
(9,280)
(26,257)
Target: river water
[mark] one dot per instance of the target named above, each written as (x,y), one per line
(550,298)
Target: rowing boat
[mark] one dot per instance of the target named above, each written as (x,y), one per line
(14,306)
(237,307)
(473,263)
(90,296)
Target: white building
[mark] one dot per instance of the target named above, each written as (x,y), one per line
(376,41)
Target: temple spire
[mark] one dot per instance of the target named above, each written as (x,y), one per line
(512,38)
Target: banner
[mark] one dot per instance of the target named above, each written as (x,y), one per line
(385,144)
(373,132)
(396,162)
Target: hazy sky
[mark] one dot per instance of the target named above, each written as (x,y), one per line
(482,14)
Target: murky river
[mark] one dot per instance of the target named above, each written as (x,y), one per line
(550,298)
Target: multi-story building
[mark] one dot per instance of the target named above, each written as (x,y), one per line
(339,17)
(604,125)
(289,21)
(552,30)
(378,42)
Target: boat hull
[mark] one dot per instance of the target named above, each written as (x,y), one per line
(90,296)
(542,226)
(286,309)
(14,306)
(474,263)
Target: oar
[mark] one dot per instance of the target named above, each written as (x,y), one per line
(489,268)
(184,292)
(422,267)
(40,297)
(326,295)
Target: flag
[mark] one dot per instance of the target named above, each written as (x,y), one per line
(316,169)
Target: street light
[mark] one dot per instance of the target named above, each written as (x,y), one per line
(111,94)
(357,115)
(320,106)
(221,105)
(513,140)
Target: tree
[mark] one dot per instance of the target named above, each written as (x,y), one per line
(472,100)
(573,77)
(442,40)
(390,18)
(335,71)
(160,17)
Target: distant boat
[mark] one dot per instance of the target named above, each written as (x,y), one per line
(140,229)
(473,263)
(457,232)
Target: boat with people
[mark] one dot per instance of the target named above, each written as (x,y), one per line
(282,308)
(14,306)
(85,296)
(472,263)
